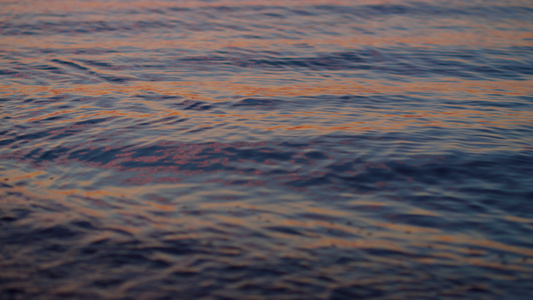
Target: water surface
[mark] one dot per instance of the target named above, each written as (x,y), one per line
(266,150)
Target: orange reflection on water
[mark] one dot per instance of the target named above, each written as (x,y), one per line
(259,86)
(80,5)
(270,119)
(483,35)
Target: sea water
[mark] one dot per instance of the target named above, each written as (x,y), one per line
(266,149)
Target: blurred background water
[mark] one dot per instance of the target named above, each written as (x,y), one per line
(266,149)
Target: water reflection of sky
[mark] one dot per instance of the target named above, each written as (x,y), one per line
(244,150)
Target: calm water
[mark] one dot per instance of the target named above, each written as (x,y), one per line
(266,149)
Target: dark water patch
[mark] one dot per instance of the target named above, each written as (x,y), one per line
(99,64)
(323,180)
(7,142)
(12,215)
(84,225)
(359,174)
(116,79)
(422,221)
(158,97)
(467,64)
(286,230)
(70,64)
(92,121)
(108,78)
(258,103)
(75,51)
(56,232)
(52,154)
(196,106)
(166,120)
(316,155)
(33,136)
(73,28)
(7,72)
(98,155)
(258,155)
(382,11)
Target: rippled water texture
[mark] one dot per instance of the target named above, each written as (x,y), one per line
(266,149)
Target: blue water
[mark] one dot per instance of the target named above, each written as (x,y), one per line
(266,149)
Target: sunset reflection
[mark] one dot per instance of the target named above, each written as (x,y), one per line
(266,150)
